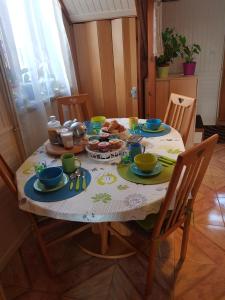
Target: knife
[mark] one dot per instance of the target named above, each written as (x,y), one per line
(84,183)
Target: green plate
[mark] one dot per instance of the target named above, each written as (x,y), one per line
(126,173)
(38,186)
(161,128)
(154,172)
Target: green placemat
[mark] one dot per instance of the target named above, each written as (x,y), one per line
(125,172)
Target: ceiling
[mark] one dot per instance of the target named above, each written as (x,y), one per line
(89,10)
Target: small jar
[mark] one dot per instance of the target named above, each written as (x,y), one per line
(93,144)
(67,139)
(53,126)
(115,143)
(103,146)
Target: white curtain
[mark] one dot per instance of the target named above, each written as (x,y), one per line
(38,62)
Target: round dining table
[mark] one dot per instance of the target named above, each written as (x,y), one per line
(108,197)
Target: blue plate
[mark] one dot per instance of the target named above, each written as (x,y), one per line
(155,171)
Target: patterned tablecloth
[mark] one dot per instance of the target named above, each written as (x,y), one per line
(109,197)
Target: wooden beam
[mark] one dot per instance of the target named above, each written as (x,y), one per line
(221,110)
(65,12)
(151,103)
(142,54)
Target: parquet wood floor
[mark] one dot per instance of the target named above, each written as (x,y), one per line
(82,277)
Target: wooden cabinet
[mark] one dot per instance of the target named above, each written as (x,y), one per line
(179,84)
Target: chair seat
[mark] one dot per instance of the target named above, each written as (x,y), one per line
(145,227)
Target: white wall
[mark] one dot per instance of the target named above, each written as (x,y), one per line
(202,22)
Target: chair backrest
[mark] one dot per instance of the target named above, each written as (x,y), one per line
(7,175)
(71,107)
(183,187)
(179,114)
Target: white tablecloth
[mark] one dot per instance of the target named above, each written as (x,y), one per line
(108,197)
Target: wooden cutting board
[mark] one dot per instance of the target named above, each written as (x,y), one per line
(59,150)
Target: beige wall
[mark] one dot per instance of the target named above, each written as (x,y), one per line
(203,22)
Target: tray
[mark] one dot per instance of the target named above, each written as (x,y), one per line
(58,150)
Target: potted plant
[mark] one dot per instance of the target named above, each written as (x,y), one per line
(171,48)
(187,52)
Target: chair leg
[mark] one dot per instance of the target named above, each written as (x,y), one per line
(150,273)
(2,294)
(42,246)
(185,238)
(44,253)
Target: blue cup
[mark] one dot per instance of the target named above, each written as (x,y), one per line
(51,176)
(135,149)
(153,124)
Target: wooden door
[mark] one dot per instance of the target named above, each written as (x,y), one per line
(107,65)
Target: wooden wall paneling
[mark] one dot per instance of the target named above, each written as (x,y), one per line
(94,67)
(8,141)
(162,97)
(119,57)
(125,64)
(107,65)
(83,60)
(184,85)
(107,68)
(133,62)
(11,218)
(150,107)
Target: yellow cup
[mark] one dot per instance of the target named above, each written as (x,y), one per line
(132,122)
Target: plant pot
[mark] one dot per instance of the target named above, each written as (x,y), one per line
(163,72)
(189,68)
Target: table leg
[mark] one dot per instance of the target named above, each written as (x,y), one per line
(105,242)
(104,232)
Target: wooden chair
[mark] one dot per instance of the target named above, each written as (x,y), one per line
(183,187)
(179,114)
(41,225)
(74,107)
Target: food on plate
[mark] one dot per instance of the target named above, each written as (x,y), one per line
(103,146)
(113,127)
(104,137)
(93,144)
(115,143)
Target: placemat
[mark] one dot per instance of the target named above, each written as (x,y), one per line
(59,195)
(125,172)
(151,134)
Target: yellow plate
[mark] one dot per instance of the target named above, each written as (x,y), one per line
(161,128)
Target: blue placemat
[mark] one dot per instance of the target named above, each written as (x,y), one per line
(151,134)
(62,194)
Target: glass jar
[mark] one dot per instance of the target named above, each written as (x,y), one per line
(53,127)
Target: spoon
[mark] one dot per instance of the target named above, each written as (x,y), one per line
(77,187)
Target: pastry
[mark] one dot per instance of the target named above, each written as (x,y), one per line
(93,144)
(103,146)
(115,143)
